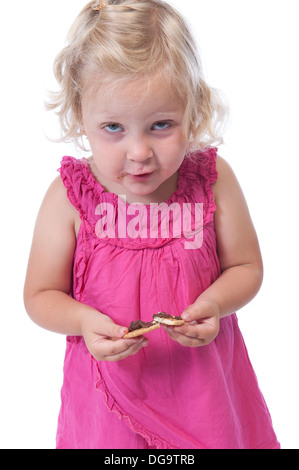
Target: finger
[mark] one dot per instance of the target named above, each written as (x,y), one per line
(201,310)
(110,329)
(105,347)
(194,313)
(183,339)
(128,349)
(192,336)
(206,330)
(187,328)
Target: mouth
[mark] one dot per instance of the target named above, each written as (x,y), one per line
(141,176)
(138,176)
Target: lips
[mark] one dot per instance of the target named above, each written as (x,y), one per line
(136,176)
(140,176)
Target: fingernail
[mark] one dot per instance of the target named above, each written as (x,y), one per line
(185,316)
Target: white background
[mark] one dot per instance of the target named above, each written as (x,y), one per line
(250,52)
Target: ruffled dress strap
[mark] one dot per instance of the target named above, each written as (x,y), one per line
(197,177)
(82,189)
(209,176)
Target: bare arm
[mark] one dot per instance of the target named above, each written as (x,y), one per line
(49,280)
(237,245)
(49,273)
(240,262)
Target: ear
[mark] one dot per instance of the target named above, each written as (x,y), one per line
(80,123)
(81,128)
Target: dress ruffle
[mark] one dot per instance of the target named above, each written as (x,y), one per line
(197,175)
(152,439)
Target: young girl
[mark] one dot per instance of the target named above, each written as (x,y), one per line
(153,221)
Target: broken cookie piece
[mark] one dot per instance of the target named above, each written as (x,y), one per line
(168,319)
(139,327)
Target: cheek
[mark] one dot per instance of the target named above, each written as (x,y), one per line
(107,162)
(176,151)
(176,143)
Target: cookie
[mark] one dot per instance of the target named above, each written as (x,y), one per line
(139,327)
(167,319)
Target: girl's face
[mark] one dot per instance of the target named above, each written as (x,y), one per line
(136,136)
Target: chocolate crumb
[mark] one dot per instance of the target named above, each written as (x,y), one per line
(166,315)
(136,325)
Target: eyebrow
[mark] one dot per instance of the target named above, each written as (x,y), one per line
(159,114)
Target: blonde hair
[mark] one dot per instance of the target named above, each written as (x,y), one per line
(130,39)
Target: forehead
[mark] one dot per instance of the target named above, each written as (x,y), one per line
(127,93)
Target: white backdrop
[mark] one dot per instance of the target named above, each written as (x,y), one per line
(250,52)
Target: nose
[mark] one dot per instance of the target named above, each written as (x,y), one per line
(139,149)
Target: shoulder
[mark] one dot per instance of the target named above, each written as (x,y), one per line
(56,189)
(56,207)
(231,206)
(223,168)
(227,184)
(233,222)
(53,244)
(56,196)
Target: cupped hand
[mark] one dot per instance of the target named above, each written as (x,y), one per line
(201,327)
(104,338)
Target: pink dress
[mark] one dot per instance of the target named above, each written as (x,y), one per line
(166,396)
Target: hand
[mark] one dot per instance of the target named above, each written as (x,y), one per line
(103,337)
(201,327)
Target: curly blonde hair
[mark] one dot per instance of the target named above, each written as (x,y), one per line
(130,39)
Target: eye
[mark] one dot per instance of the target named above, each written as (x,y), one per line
(113,128)
(160,125)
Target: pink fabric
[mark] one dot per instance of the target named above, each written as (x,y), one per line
(166,396)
